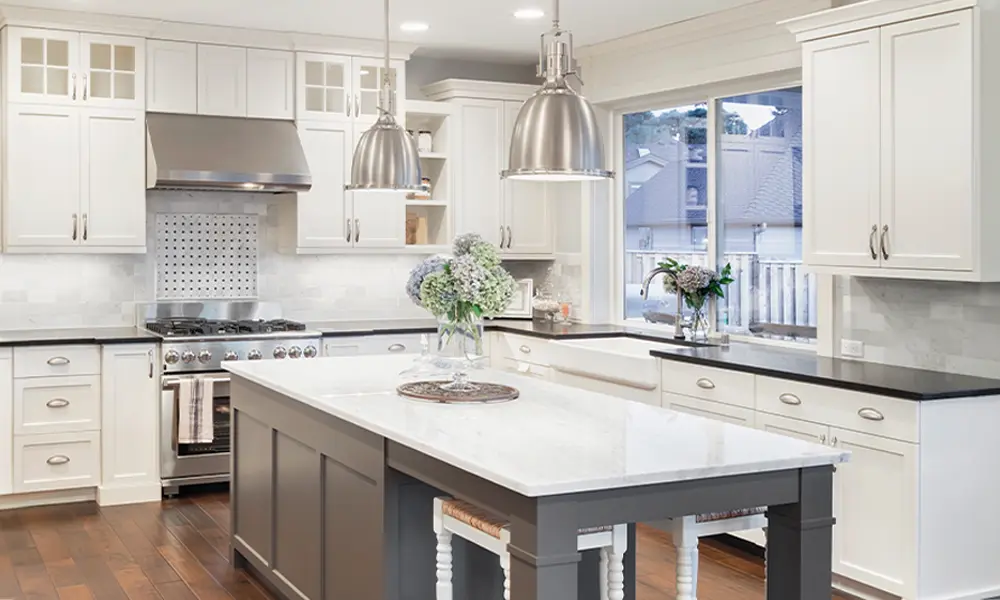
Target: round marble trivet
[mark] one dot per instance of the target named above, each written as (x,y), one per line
(432,392)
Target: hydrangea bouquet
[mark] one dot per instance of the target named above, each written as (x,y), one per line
(460,291)
(696,285)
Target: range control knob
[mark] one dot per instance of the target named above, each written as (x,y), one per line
(231,355)
(280,352)
(310,351)
(254,354)
(187,356)
(294,352)
(171,357)
(204,356)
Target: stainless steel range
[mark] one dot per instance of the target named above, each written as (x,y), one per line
(197,338)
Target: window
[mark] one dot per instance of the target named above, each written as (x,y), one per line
(758,206)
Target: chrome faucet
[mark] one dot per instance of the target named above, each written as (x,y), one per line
(644,293)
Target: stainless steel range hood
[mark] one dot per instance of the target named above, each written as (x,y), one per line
(223,153)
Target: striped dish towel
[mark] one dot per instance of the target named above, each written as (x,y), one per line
(194,411)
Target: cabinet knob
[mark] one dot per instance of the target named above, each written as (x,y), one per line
(58,459)
(705,384)
(57,403)
(871,414)
(790,399)
(58,361)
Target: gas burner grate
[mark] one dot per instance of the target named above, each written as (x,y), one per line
(185,326)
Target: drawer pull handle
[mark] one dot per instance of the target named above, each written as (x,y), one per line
(525,350)
(58,459)
(871,414)
(58,361)
(57,403)
(790,399)
(705,384)
(397,348)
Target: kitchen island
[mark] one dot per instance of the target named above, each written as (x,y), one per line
(324,450)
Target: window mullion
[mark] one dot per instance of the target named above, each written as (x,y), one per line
(714,233)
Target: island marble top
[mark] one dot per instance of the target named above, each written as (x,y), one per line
(553,440)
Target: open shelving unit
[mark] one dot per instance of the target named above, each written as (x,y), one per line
(429,221)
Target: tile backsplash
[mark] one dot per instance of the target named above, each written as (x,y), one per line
(933,325)
(102,290)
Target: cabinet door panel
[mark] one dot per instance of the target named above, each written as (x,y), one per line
(479,180)
(130,388)
(840,205)
(928,172)
(716,411)
(171,77)
(875,496)
(42,66)
(527,207)
(367,76)
(802,430)
(379,219)
(113,71)
(222,81)
(324,87)
(322,212)
(43,209)
(6,433)
(113,187)
(270,84)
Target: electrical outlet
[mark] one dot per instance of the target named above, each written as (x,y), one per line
(852,348)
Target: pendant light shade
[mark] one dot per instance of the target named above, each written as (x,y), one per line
(556,136)
(386,158)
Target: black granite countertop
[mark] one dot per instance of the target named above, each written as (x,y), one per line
(873,378)
(83,335)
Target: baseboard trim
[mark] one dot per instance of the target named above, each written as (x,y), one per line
(113,495)
(32,499)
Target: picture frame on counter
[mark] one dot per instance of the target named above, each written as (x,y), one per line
(520,305)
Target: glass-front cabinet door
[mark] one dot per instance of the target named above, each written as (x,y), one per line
(368,73)
(324,82)
(41,66)
(111,71)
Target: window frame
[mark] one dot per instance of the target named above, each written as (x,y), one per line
(712,96)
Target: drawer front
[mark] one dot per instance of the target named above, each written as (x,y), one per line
(409,343)
(717,411)
(57,461)
(717,385)
(57,404)
(867,413)
(525,368)
(47,361)
(523,348)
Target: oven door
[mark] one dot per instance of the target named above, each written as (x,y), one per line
(194,463)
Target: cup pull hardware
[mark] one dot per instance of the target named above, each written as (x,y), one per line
(58,459)
(57,403)
(705,384)
(871,414)
(58,361)
(790,399)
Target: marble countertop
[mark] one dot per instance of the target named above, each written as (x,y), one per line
(873,378)
(554,439)
(80,335)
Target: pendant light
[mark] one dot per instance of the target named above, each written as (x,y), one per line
(556,137)
(386,157)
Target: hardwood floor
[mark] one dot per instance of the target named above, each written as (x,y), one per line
(177,550)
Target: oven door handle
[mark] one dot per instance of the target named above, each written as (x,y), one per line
(170,396)
(174,382)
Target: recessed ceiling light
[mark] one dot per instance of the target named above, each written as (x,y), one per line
(414,26)
(529,13)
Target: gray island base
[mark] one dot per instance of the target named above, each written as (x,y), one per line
(323,508)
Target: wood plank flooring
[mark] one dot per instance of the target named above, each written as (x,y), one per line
(177,550)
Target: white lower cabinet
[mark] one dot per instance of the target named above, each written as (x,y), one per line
(6,431)
(364,345)
(717,411)
(57,404)
(57,461)
(130,398)
(875,501)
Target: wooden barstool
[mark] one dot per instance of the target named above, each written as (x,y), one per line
(473,524)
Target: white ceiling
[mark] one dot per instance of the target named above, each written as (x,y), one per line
(483,28)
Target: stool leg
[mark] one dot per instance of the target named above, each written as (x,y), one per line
(444,562)
(604,573)
(616,574)
(686,543)
(505,565)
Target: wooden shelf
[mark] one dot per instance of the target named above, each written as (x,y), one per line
(434,155)
(441,203)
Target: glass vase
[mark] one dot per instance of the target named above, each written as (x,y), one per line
(698,330)
(460,348)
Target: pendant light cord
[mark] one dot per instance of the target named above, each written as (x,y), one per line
(555,14)
(386,93)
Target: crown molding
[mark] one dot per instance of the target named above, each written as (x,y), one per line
(22,16)
(868,15)
(450,89)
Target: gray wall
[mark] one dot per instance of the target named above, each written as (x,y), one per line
(423,70)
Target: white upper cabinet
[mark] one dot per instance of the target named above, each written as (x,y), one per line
(379,219)
(527,211)
(482,129)
(889,191)
(334,87)
(222,81)
(270,84)
(321,218)
(114,74)
(840,78)
(928,171)
(172,77)
(63,67)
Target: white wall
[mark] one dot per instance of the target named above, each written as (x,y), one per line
(421,71)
